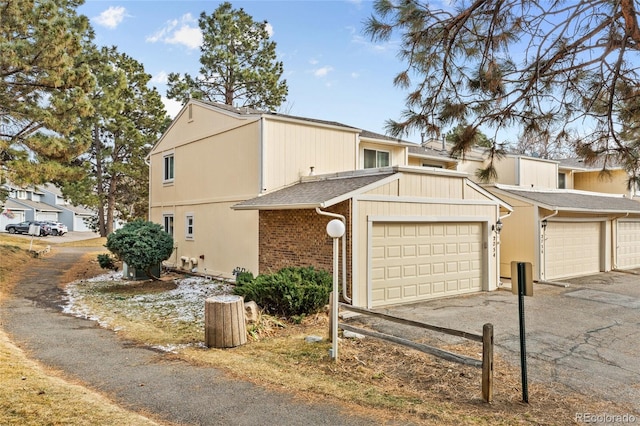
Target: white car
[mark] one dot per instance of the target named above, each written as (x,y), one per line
(57,228)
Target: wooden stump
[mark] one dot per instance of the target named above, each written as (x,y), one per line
(224,322)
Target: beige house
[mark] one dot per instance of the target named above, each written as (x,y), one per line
(568,219)
(244,189)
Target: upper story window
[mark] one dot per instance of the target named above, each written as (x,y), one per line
(188,232)
(21,195)
(168,168)
(374,158)
(562,181)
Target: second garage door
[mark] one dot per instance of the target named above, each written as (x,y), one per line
(572,249)
(628,245)
(417,261)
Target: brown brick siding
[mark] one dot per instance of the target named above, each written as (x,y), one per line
(299,238)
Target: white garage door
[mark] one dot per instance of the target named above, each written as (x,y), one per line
(417,261)
(628,247)
(53,216)
(572,249)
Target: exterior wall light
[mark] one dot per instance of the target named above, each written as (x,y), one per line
(498,226)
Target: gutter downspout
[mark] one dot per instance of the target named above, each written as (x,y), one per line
(344,251)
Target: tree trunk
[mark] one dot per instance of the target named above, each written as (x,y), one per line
(224,322)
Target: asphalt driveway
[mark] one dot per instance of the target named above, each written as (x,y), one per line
(586,336)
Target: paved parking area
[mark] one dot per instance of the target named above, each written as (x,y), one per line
(586,335)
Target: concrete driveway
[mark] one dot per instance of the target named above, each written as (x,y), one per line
(586,336)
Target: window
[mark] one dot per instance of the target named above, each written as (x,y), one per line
(188,232)
(373,158)
(168,168)
(22,195)
(168,223)
(437,166)
(562,181)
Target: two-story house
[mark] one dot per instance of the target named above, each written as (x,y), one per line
(26,204)
(240,188)
(568,220)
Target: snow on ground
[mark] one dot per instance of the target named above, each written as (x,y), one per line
(181,306)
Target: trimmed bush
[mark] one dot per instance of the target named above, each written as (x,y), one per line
(107,262)
(291,292)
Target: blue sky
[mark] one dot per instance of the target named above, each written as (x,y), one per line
(333,70)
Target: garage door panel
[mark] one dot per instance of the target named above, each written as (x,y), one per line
(628,245)
(429,260)
(572,249)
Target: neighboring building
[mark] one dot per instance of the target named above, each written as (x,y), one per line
(568,219)
(76,218)
(44,202)
(26,204)
(244,189)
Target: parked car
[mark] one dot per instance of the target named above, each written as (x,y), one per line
(57,228)
(23,227)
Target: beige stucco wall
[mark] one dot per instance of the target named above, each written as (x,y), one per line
(212,173)
(374,205)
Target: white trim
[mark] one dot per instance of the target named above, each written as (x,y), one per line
(369,263)
(418,219)
(424,200)
(355,258)
(187,235)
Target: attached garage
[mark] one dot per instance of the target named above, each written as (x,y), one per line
(572,249)
(628,244)
(51,216)
(414,261)
(412,233)
(568,233)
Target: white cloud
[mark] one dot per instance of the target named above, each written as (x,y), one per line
(160,77)
(172,106)
(313,61)
(355,75)
(111,17)
(269,29)
(322,72)
(184,31)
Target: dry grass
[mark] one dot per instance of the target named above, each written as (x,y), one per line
(31,394)
(375,378)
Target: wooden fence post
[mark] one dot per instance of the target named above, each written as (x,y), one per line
(487,362)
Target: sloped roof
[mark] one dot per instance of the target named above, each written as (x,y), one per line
(578,201)
(311,194)
(579,164)
(37,205)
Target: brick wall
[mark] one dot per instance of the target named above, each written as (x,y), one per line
(299,238)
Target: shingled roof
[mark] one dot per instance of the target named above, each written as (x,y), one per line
(574,200)
(310,194)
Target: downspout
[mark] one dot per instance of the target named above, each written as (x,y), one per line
(344,251)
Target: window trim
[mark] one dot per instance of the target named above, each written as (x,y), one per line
(165,175)
(171,218)
(189,222)
(377,153)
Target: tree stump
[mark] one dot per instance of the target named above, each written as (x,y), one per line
(224,322)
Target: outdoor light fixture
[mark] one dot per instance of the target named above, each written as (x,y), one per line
(335,229)
(498,226)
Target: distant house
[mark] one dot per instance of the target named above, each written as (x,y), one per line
(26,204)
(254,190)
(76,218)
(44,202)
